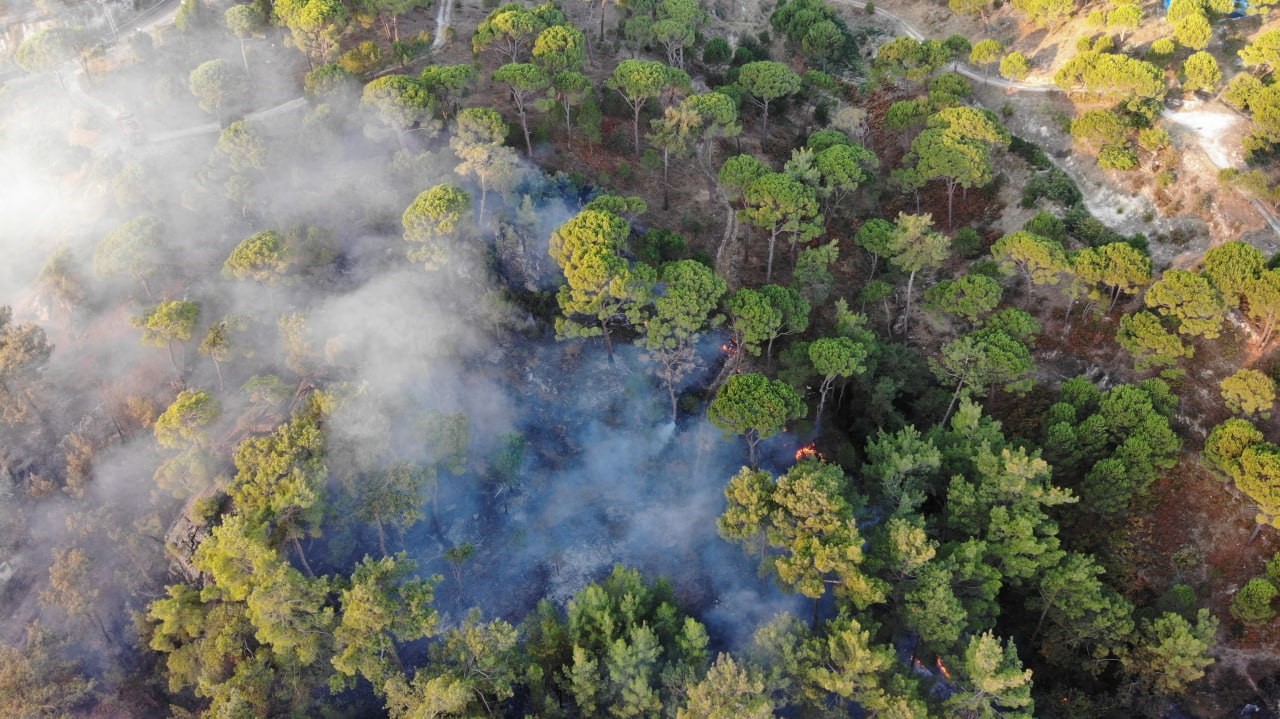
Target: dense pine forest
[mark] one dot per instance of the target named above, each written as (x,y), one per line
(649,358)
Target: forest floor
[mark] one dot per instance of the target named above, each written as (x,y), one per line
(1197,533)
(1195,530)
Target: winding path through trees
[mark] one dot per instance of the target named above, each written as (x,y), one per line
(154,17)
(914,33)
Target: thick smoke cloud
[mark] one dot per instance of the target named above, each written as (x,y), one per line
(606,477)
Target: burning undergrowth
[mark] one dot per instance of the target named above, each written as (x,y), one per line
(563,463)
(606,479)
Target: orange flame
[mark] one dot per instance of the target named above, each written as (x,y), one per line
(946,673)
(809,451)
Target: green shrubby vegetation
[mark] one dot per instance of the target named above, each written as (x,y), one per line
(960,497)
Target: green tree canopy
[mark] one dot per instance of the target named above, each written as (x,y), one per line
(1264,51)
(1118,266)
(1115,78)
(677,25)
(825,42)
(1259,479)
(639,81)
(525,81)
(1190,299)
(766,81)
(949,155)
(915,246)
(168,322)
(280,479)
(1254,603)
(1078,611)
(1015,66)
(992,682)
(568,89)
(509,30)
(804,514)
(317,26)
(387,13)
(729,691)
(876,236)
(1100,128)
(835,358)
(1126,17)
(383,605)
(1039,260)
(815,28)
(718,117)
(243,145)
(1200,71)
(1117,441)
(244,21)
(1262,303)
(1249,392)
(262,257)
(472,667)
(560,48)
(673,135)
(986,53)
(449,84)
(1150,343)
(433,219)
(135,249)
(187,420)
(823,139)
(793,309)
(842,169)
(754,319)
(400,102)
(813,278)
(738,172)
(1225,445)
(778,203)
(478,140)
(52,47)
(1193,31)
(968,297)
(600,284)
(215,83)
(687,295)
(1171,652)
(1045,13)
(911,60)
(1233,267)
(981,359)
(755,407)
(223,342)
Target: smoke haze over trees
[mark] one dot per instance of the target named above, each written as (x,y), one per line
(357,363)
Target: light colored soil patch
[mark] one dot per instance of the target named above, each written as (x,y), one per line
(1215,131)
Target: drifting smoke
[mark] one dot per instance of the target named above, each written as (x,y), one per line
(443,15)
(606,477)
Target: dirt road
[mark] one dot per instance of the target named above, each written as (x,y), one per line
(1197,125)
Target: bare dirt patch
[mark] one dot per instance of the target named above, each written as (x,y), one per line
(1197,534)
